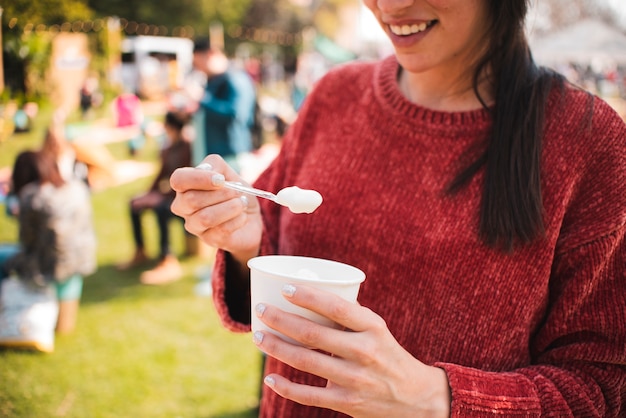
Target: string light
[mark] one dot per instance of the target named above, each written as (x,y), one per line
(235,32)
(98,24)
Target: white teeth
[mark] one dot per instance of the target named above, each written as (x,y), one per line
(408,29)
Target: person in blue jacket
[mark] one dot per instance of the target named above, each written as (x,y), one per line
(225,114)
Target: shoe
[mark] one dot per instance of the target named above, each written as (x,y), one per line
(138,259)
(168,270)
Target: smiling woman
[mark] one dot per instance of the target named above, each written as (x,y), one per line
(462,178)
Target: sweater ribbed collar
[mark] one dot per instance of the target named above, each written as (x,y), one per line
(390,95)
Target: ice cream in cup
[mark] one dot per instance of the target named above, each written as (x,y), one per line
(268,275)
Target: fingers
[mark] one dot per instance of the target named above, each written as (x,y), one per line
(192,201)
(307,360)
(307,395)
(222,217)
(348,314)
(303,394)
(191,186)
(347,345)
(189,178)
(200,177)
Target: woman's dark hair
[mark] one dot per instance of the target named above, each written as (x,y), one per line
(24,171)
(31,166)
(512,207)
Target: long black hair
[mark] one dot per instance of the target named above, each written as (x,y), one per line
(512,206)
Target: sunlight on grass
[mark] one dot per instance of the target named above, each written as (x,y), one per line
(137,351)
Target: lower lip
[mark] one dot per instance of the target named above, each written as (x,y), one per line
(408,40)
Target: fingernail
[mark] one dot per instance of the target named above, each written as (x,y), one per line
(288,290)
(257,337)
(244,201)
(204,166)
(218,179)
(269,381)
(260,309)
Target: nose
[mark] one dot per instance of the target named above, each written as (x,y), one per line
(392,6)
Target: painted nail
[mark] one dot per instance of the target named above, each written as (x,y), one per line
(269,381)
(257,337)
(244,201)
(260,309)
(289,290)
(218,179)
(204,166)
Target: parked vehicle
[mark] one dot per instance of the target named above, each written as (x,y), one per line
(154,65)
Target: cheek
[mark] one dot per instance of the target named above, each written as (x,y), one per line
(371,5)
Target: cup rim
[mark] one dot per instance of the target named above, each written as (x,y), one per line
(255,261)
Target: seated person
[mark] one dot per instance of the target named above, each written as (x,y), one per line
(159,199)
(57,241)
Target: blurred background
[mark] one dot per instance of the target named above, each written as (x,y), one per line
(51,48)
(160,351)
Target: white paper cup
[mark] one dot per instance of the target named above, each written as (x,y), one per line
(268,274)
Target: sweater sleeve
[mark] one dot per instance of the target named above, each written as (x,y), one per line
(580,361)
(578,352)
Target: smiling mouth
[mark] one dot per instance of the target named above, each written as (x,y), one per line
(405,30)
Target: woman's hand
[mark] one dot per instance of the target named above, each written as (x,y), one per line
(220,217)
(369,374)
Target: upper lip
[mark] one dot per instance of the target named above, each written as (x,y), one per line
(410,22)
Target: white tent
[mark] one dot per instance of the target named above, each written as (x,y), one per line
(584,42)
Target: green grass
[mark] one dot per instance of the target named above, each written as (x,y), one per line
(137,351)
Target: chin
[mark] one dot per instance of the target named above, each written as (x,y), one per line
(413,63)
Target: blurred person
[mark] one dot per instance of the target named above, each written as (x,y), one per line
(7,120)
(226,109)
(159,198)
(90,95)
(128,113)
(22,121)
(57,241)
(63,153)
(483,196)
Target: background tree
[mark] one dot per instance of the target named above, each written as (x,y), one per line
(197,14)
(26,45)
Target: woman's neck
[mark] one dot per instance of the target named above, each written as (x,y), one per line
(439,92)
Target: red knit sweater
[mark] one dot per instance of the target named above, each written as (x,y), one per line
(541,331)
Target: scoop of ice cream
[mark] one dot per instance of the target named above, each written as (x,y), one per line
(299,200)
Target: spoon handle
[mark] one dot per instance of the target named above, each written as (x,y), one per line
(250,190)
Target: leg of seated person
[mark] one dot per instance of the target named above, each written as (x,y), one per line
(163,215)
(7,251)
(169,268)
(68,294)
(140,257)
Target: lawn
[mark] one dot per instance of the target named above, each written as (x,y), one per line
(137,351)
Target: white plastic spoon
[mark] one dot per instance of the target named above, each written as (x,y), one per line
(296,199)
